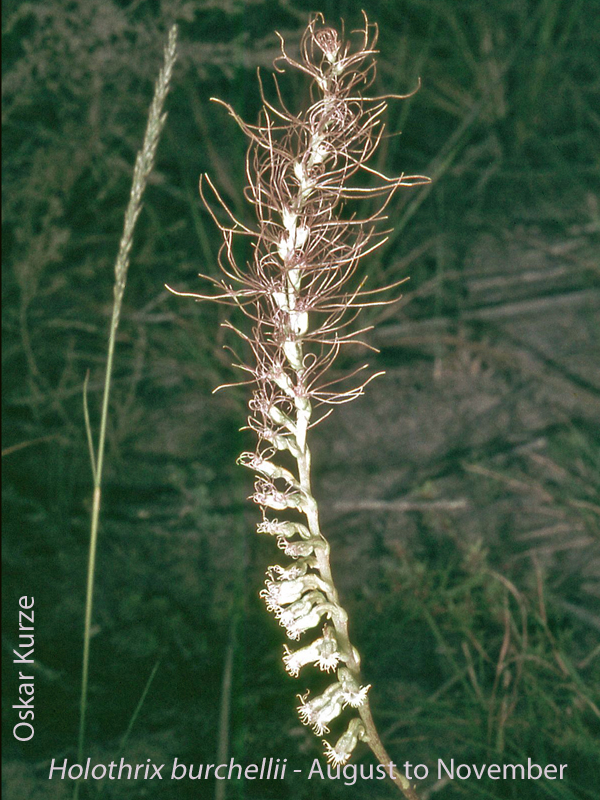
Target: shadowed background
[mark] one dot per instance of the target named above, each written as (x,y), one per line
(460,494)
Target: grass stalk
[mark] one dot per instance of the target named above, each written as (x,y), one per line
(138,708)
(143,167)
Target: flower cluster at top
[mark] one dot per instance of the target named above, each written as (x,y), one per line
(301,291)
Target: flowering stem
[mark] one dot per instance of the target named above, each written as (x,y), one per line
(380,753)
(300,292)
(338,616)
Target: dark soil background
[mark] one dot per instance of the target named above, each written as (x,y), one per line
(460,494)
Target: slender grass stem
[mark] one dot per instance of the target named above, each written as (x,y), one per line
(143,167)
(226,687)
(138,708)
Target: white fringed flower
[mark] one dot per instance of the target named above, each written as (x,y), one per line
(329,655)
(276,572)
(256,462)
(322,652)
(344,747)
(308,621)
(289,529)
(283,529)
(294,660)
(267,494)
(271,526)
(284,592)
(297,627)
(295,549)
(304,614)
(353,694)
(296,610)
(321,710)
(356,699)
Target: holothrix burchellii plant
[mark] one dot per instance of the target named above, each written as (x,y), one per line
(301,293)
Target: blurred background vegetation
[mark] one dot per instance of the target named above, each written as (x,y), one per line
(470,561)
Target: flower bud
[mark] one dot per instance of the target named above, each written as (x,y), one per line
(299,322)
(292,241)
(283,442)
(304,614)
(293,352)
(289,217)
